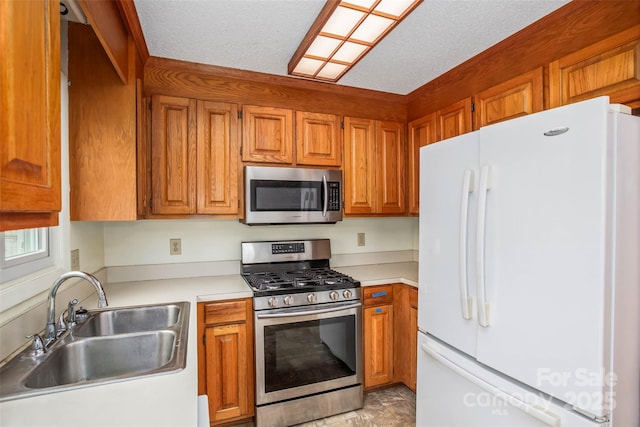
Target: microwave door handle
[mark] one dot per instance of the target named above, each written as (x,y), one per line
(325,188)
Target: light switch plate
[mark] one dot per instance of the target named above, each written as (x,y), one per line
(75,259)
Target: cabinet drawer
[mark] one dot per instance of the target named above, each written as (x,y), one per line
(374,295)
(226,312)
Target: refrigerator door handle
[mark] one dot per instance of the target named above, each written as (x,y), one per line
(485,186)
(541,414)
(466,302)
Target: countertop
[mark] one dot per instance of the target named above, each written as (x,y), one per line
(162,400)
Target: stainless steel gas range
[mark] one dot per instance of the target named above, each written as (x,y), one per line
(308,332)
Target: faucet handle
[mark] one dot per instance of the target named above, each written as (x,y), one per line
(37,345)
(71,313)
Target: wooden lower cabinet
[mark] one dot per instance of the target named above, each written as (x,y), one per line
(378,345)
(225,359)
(390,335)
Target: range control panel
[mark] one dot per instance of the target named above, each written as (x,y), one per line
(287,248)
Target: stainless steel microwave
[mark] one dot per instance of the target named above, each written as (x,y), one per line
(275,195)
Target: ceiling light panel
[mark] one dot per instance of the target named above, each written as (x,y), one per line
(342,22)
(372,28)
(395,8)
(343,33)
(323,47)
(349,52)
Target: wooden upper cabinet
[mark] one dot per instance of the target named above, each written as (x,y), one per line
(30,119)
(359,167)
(517,97)
(390,168)
(454,120)
(610,67)
(217,158)
(318,139)
(194,156)
(374,167)
(422,131)
(173,155)
(267,134)
(102,131)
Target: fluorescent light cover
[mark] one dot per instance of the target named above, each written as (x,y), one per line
(323,46)
(394,7)
(366,4)
(331,70)
(372,28)
(343,33)
(349,52)
(342,21)
(308,66)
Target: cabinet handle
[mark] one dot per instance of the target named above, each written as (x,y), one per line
(378,294)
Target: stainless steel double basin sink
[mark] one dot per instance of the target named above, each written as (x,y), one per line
(110,345)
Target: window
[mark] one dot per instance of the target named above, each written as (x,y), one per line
(23,251)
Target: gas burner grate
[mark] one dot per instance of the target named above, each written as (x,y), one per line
(299,279)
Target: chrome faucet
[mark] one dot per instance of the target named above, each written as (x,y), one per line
(50,333)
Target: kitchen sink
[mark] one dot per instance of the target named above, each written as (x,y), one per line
(111,345)
(127,320)
(104,357)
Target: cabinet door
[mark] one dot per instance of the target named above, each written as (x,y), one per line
(610,67)
(422,131)
(454,120)
(268,134)
(514,98)
(30,119)
(227,368)
(378,345)
(359,168)
(173,155)
(390,169)
(217,158)
(102,132)
(318,139)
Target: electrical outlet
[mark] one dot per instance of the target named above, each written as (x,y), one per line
(75,259)
(175,246)
(360,239)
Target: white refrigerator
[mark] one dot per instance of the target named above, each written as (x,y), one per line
(529,279)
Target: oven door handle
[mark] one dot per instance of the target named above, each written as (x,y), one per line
(305,313)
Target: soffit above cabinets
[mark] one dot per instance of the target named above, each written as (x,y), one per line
(262,35)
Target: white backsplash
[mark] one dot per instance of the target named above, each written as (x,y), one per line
(147,242)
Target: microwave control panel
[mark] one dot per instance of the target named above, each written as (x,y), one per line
(334,196)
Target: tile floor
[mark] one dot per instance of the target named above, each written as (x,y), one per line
(391,407)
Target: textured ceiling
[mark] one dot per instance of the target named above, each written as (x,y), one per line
(262,35)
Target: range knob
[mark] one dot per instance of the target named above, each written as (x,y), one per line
(288,300)
(347,294)
(273,302)
(334,295)
(311,298)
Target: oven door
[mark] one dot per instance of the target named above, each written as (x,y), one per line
(302,351)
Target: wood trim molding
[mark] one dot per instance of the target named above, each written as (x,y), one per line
(214,83)
(130,16)
(104,17)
